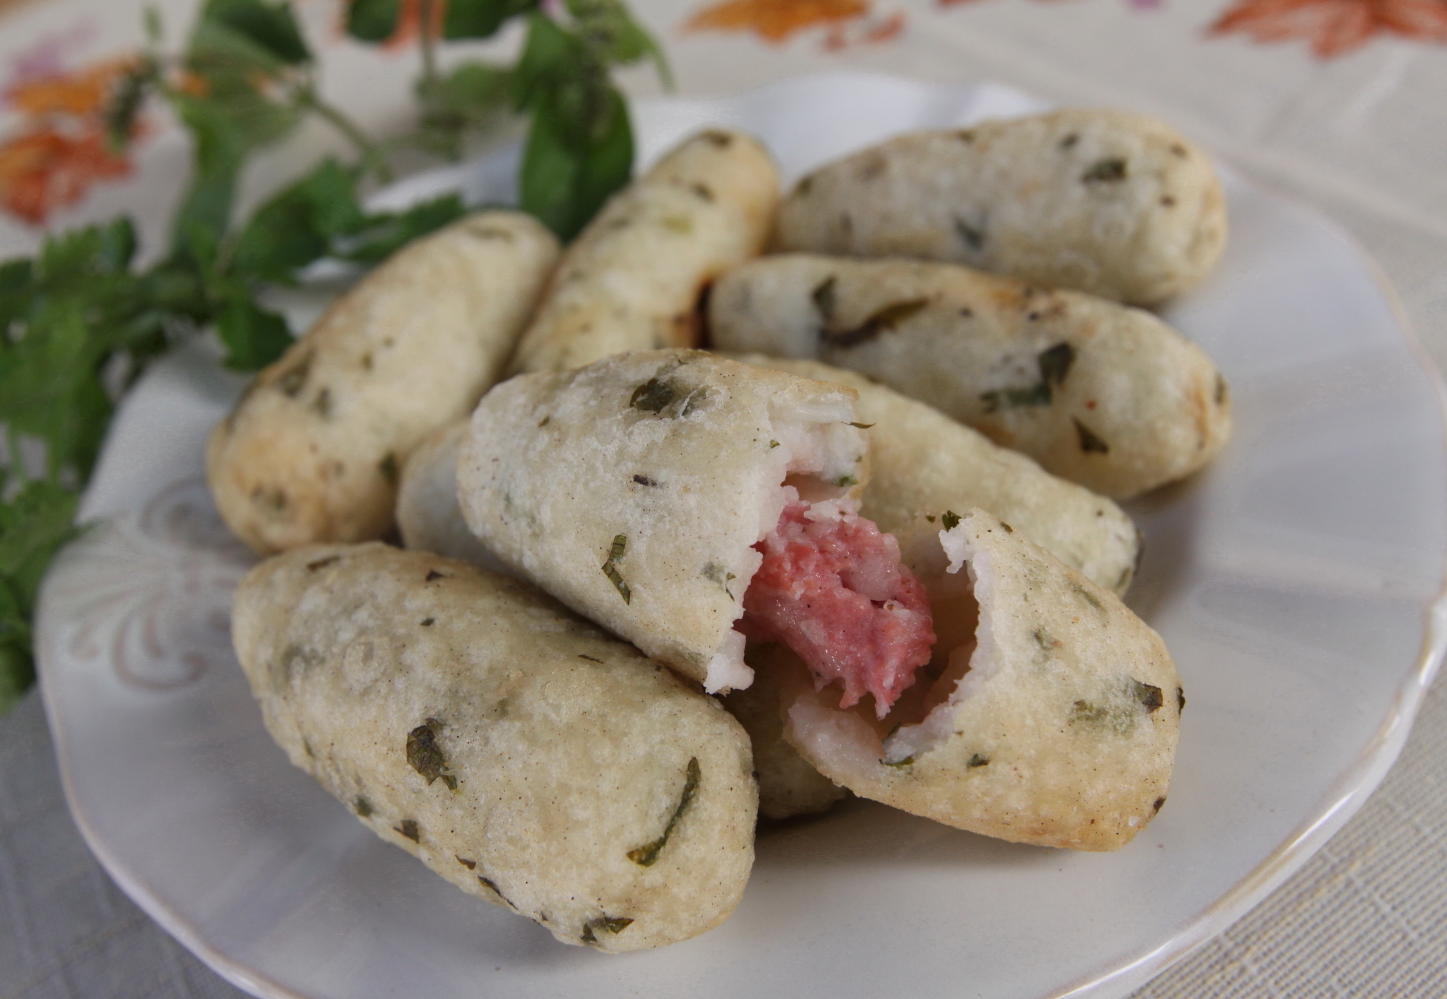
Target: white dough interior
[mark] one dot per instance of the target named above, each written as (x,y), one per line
(816,460)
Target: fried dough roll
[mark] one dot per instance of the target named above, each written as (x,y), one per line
(311,452)
(632,278)
(429,517)
(1098,393)
(515,749)
(635,489)
(1052,717)
(924,464)
(1115,204)
(788,784)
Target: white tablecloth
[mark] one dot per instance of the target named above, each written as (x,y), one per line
(1362,135)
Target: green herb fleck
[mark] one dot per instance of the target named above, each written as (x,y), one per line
(773,444)
(644,480)
(428,622)
(949,520)
(589,658)
(409,829)
(930,517)
(717,574)
(1088,597)
(321,562)
(824,297)
(995,400)
(469,864)
(647,855)
(272,501)
(882,321)
(861,426)
(433,574)
(971,236)
(846,480)
(293,379)
(604,924)
(1150,697)
(388,467)
(1156,806)
(976,760)
(1104,171)
(1055,362)
(297,659)
(362,806)
(1084,711)
(1180,699)
(652,396)
(610,569)
(426,757)
(900,763)
(1089,442)
(1221,391)
(491,886)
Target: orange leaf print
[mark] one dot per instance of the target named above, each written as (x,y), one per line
(45,169)
(1334,26)
(80,93)
(775,20)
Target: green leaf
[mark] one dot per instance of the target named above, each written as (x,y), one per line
(472,97)
(253,336)
(229,122)
(608,28)
(17,667)
(551,57)
(50,386)
(33,525)
(566,176)
(384,234)
(480,18)
(297,225)
(119,114)
(262,34)
(372,20)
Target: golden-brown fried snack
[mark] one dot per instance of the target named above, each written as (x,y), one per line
(632,278)
(1053,721)
(1098,393)
(515,749)
(312,451)
(1116,204)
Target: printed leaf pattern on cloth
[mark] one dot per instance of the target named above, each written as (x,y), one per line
(62,147)
(1334,26)
(847,22)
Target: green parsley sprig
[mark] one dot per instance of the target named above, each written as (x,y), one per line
(80,321)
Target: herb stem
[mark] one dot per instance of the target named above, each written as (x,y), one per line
(371,153)
(426,43)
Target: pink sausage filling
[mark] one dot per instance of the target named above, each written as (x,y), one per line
(831,588)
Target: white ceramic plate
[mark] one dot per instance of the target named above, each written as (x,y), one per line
(1295,582)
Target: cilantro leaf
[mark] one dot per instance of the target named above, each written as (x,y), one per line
(372,20)
(265,35)
(472,97)
(480,18)
(566,174)
(33,525)
(254,337)
(380,235)
(296,226)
